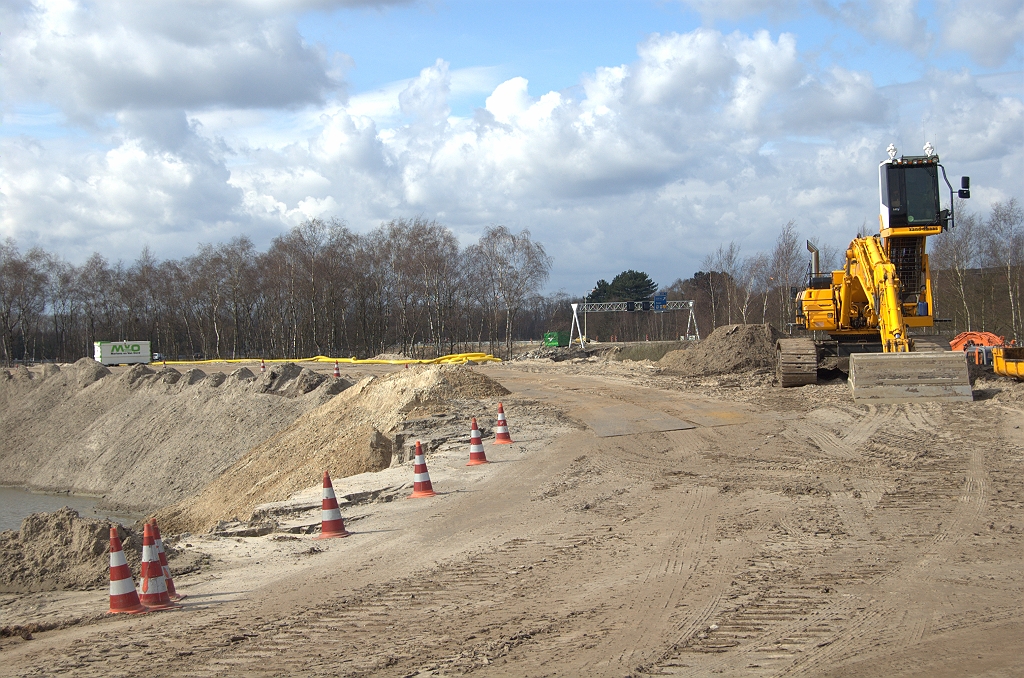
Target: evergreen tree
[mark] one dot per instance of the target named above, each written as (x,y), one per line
(633,286)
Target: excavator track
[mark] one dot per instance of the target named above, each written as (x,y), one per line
(797,362)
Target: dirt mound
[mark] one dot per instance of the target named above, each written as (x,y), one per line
(356,432)
(291,381)
(730,348)
(144,438)
(390,356)
(555,354)
(61,551)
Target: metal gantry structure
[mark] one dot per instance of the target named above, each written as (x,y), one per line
(657,306)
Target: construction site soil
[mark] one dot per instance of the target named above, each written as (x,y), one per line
(684,517)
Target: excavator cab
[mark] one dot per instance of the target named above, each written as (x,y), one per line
(909,191)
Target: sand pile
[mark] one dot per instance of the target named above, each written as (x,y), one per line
(144,438)
(356,432)
(730,348)
(61,551)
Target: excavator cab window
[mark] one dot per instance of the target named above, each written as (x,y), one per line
(912,194)
(922,194)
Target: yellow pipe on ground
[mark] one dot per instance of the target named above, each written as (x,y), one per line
(452,359)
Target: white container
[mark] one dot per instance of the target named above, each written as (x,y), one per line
(121,352)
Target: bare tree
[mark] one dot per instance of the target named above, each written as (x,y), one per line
(726,260)
(1004,247)
(785,269)
(518,265)
(711,284)
(753,270)
(22,297)
(956,251)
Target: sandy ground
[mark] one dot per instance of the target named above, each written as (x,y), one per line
(665,527)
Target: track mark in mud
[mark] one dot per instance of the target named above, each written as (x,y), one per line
(637,627)
(818,429)
(458,616)
(774,613)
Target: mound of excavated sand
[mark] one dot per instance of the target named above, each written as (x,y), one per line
(144,438)
(356,432)
(61,551)
(730,348)
(390,356)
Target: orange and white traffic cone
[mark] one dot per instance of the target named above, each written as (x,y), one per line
(421,486)
(476,447)
(331,523)
(263,366)
(168,582)
(151,580)
(337,372)
(123,596)
(501,436)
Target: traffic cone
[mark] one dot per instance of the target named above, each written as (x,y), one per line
(331,524)
(501,436)
(151,579)
(337,372)
(421,486)
(123,596)
(263,366)
(171,593)
(476,447)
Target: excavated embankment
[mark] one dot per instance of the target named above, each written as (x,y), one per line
(356,432)
(144,438)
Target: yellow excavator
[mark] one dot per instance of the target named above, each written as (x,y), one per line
(869,308)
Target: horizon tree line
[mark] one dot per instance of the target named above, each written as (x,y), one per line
(318,289)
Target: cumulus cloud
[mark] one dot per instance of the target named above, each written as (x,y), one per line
(74,199)
(990,31)
(91,58)
(711,10)
(672,149)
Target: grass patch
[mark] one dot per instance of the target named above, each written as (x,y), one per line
(650,350)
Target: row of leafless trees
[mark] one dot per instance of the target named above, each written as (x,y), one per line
(977,268)
(731,288)
(980,265)
(318,289)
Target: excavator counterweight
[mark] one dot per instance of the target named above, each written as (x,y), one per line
(871,307)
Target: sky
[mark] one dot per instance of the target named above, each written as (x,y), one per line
(624,135)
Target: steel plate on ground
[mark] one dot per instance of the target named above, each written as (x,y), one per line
(624,419)
(909,377)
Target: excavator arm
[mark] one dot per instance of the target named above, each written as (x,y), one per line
(866,261)
(902,372)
